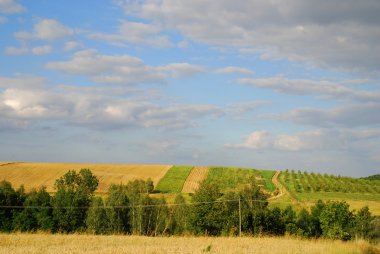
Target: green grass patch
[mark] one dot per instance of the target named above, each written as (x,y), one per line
(174,179)
(231,178)
(267,175)
(338,195)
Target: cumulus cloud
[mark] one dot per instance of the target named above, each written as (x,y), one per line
(135,33)
(24,101)
(71,45)
(121,69)
(321,139)
(10,7)
(46,29)
(322,89)
(357,115)
(16,50)
(42,50)
(237,109)
(181,70)
(342,35)
(234,70)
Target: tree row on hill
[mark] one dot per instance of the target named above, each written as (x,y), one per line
(305,182)
(130,209)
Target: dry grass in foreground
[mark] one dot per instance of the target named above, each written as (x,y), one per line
(47,243)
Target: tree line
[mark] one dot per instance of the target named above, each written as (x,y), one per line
(131,209)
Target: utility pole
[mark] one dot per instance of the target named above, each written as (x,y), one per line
(239,218)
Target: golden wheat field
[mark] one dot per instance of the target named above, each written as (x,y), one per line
(47,243)
(34,175)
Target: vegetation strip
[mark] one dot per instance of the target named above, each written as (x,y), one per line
(174,179)
(129,209)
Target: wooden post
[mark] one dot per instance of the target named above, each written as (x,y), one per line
(239,218)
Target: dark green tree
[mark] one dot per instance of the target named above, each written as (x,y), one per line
(206,214)
(9,200)
(315,225)
(289,217)
(97,221)
(37,212)
(74,192)
(254,206)
(137,193)
(304,223)
(274,223)
(336,221)
(118,209)
(179,216)
(363,220)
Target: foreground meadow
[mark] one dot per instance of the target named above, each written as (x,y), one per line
(48,243)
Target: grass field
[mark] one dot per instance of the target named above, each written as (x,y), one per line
(231,178)
(76,244)
(267,175)
(174,179)
(34,175)
(308,198)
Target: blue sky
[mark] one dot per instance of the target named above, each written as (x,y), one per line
(263,84)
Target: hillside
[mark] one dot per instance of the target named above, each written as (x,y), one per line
(372,177)
(300,189)
(34,175)
(304,189)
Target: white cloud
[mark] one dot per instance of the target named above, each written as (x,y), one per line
(24,101)
(322,89)
(243,107)
(30,82)
(50,29)
(233,70)
(42,50)
(135,33)
(10,6)
(122,69)
(321,139)
(355,115)
(46,29)
(335,34)
(16,51)
(181,70)
(71,45)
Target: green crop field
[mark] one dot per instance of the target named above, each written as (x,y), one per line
(174,179)
(306,188)
(233,178)
(267,175)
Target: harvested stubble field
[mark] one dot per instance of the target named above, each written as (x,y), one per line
(48,243)
(196,176)
(34,175)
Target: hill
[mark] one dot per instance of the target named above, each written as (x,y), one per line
(300,189)
(304,189)
(372,177)
(34,175)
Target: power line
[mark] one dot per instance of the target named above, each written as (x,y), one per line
(141,206)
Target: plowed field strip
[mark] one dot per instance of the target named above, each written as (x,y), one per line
(197,175)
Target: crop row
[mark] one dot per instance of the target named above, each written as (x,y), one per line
(305,182)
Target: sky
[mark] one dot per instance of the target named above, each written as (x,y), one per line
(262,84)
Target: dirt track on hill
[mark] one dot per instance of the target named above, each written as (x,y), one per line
(196,176)
(279,186)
